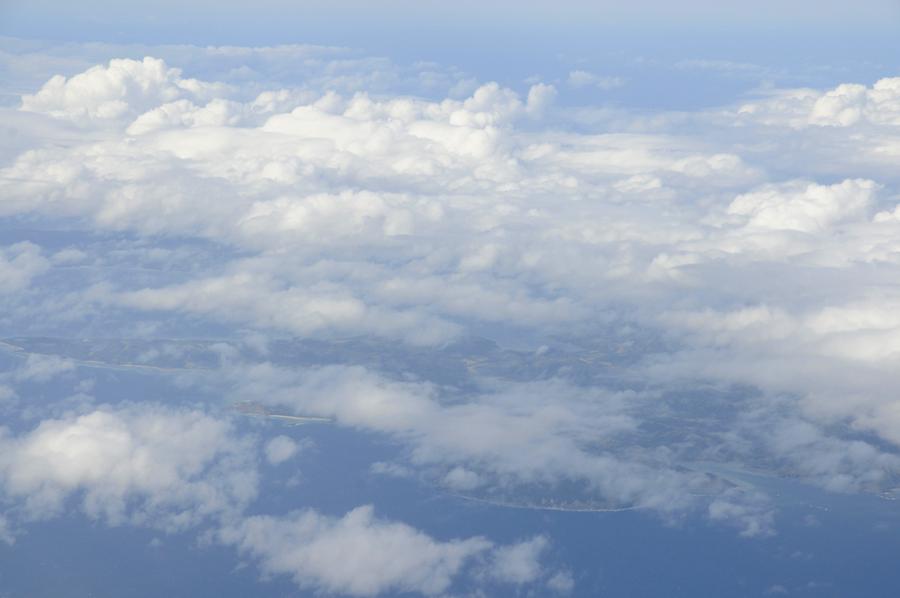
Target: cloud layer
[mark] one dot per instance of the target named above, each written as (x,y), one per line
(681,289)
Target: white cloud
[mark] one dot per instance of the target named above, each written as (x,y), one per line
(750,513)
(807,208)
(360,554)
(390,469)
(41,368)
(847,105)
(184,113)
(837,465)
(460,478)
(561,582)
(175,469)
(19,264)
(266,303)
(536,433)
(280,449)
(350,554)
(121,89)
(6,535)
(579,79)
(519,563)
(142,464)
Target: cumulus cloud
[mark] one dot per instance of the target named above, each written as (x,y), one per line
(183,113)
(360,554)
(847,105)
(142,464)
(280,449)
(428,171)
(120,89)
(460,478)
(519,563)
(808,208)
(348,555)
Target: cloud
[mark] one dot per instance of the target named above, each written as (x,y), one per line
(183,113)
(280,449)
(142,464)
(519,563)
(521,439)
(810,208)
(19,264)
(460,478)
(122,88)
(360,554)
(264,302)
(750,513)
(847,105)
(561,582)
(348,555)
(176,469)
(423,167)
(835,464)
(6,535)
(580,79)
(41,368)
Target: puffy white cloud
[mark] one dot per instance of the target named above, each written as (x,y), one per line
(183,113)
(121,89)
(848,104)
(460,478)
(142,464)
(360,554)
(841,107)
(280,449)
(807,208)
(357,554)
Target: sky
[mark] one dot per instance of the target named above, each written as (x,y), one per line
(380,299)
